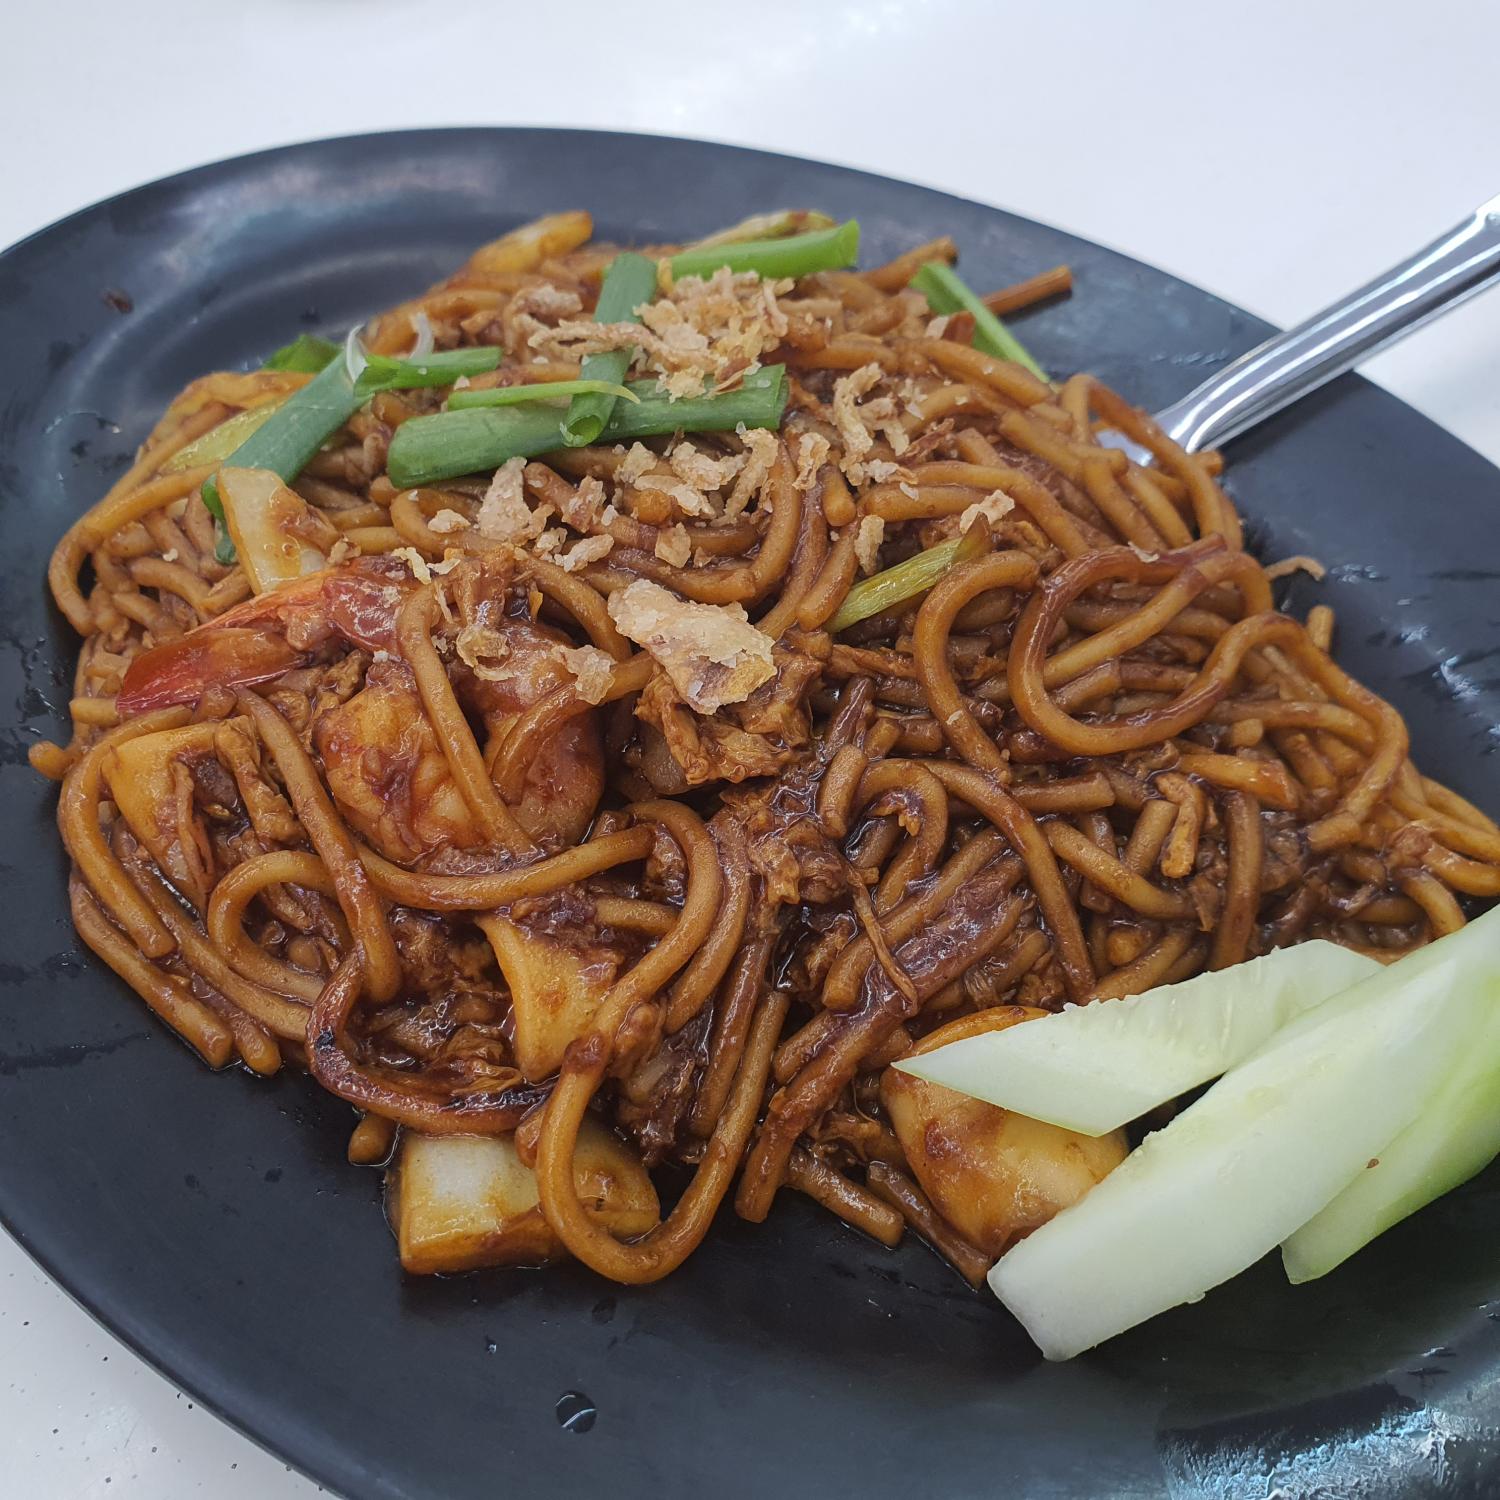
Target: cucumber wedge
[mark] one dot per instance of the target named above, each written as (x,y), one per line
(1254,1159)
(1456,1135)
(1093,1068)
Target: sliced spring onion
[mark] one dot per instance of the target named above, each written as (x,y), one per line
(946,293)
(770,226)
(548,390)
(758,401)
(219,442)
(309,417)
(629,281)
(383,372)
(302,424)
(906,580)
(1092,1068)
(449,443)
(306,354)
(796,255)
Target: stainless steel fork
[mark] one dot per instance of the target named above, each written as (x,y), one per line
(1288,365)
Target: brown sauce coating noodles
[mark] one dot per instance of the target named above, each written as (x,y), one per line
(1091,759)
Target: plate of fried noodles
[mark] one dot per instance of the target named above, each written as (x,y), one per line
(546,666)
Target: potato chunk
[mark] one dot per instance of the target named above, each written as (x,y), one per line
(156,804)
(277,534)
(993,1175)
(459,1202)
(555,988)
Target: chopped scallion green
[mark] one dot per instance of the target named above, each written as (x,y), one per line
(465,399)
(306,354)
(383,372)
(446,444)
(285,443)
(796,255)
(906,580)
(946,292)
(629,281)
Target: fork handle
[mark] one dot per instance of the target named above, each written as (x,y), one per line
(1287,366)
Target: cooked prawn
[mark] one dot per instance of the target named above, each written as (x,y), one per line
(384,764)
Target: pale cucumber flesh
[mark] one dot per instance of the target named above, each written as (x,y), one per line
(1093,1068)
(1456,1134)
(1236,1173)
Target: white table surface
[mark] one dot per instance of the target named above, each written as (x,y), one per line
(1277,153)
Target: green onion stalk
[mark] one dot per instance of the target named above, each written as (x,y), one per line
(946,292)
(629,282)
(893,586)
(472,439)
(383,372)
(306,354)
(466,398)
(793,256)
(286,440)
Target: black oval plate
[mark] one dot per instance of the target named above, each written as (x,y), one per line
(213,1223)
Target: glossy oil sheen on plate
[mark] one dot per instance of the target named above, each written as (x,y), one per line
(214,1223)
